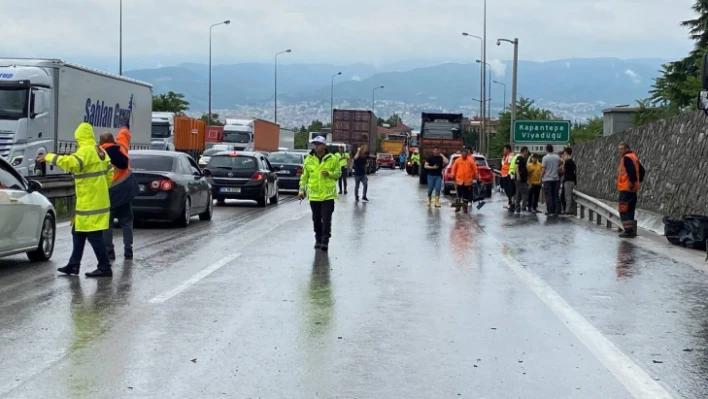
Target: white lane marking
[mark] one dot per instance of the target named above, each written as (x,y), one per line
(63,224)
(165,296)
(628,373)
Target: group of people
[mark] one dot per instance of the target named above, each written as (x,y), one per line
(104,187)
(523,178)
(465,175)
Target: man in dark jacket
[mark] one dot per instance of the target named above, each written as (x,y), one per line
(123,189)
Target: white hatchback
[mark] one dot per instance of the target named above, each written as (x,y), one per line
(27,218)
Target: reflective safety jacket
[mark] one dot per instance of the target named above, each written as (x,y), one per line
(625,177)
(343,159)
(320,188)
(124,186)
(506,164)
(465,171)
(415,158)
(93,174)
(512,165)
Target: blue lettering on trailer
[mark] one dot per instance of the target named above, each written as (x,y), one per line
(100,114)
(6,75)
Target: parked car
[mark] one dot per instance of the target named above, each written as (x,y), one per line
(386,160)
(243,176)
(171,187)
(290,165)
(216,148)
(27,218)
(486,175)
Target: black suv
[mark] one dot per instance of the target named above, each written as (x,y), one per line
(242,176)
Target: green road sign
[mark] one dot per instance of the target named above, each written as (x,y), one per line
(541,131)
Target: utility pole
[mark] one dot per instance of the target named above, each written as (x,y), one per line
(331,101)
(481,91)
(120,41)
(275,94)
(515,42)
(210,29)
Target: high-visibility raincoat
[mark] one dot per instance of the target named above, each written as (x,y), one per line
(415,158)
(465,171)
(318,187)
(343,159)
(93,174)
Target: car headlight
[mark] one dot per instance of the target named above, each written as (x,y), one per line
(18,159)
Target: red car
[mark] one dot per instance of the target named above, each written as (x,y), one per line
(486,175)
(385,160)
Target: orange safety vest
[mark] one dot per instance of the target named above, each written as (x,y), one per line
(506,163)
(623,182)
(123,141)
(464,170)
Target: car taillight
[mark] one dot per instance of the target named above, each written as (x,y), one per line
(298,171)
(258,176)
(161,185)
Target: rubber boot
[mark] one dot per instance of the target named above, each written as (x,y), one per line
(437,201)
(428,202)
(630,232)
(464,209)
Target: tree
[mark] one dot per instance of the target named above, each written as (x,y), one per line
(394,120)
(380,121)
(170,102)
(301,139)
(586,131)
(213,121)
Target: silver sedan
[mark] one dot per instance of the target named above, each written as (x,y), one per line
(27,218)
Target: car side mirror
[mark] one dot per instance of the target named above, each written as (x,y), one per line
(34,186)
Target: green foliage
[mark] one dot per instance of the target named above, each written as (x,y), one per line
(649,113)
(582,132)
(393,120)
(302,135)
(301,139)
(170,102)
(213,121)
(525,109)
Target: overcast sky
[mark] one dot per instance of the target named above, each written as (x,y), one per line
(336,31)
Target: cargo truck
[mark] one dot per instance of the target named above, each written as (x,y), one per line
(286,141)
(214,135)
(252,134)
(190,135)
(443,131)
(394,147)
(163,131)
(356,128)
(42,101)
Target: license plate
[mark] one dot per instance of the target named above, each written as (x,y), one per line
(141,187)
(284,172)
(230,190)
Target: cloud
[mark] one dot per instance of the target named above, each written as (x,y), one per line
(339,31)
(356,78)
(498,68)
(632,75)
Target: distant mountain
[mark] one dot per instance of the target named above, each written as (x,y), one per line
(451,85)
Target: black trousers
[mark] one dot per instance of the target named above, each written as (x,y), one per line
(534,196)
(322,219)
(627,207)
(95,238)
(509,187)
(343,178)
(551,189)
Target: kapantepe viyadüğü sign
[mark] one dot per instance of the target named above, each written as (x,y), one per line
(527,131)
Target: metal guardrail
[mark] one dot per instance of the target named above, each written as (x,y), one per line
(597,210)
(61,186)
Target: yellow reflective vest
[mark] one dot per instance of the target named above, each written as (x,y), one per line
(320,188)
(93,175)
(343,159)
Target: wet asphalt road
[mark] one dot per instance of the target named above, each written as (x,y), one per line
(409,303)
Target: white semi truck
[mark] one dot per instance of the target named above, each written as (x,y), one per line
(42,101)
(163,131)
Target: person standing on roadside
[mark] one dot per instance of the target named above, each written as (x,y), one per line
(433,167)
(522,186)
(570,180)
(402,161)
(550,165)
(93,173)
(360,176)
(630,175)
(344,165)
(123,189)
(320,172)
(465,172)
(506,182)
(534,179)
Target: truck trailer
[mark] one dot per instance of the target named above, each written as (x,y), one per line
(252,134)
(443,131)
(42,101)
(356,128)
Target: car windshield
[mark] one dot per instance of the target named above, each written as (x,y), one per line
(284,157)
(237,137)
(155,163)
(160,130)
(385,156)
(213,151)
(480,161)
(13,102)
(237,162)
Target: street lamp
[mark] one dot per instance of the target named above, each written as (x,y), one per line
(331,101)
(489,111)
(210,29)
(500,83)
(481,78)
(373,98)
(275,101)
(120,40)
(515,42)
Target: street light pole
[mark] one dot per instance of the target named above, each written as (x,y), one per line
(120,40)
(481,88)
(373,99)
(331,101)
(515,42)
(275,100)
(500,83)
(484,68)
(489,110)
(210,29)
